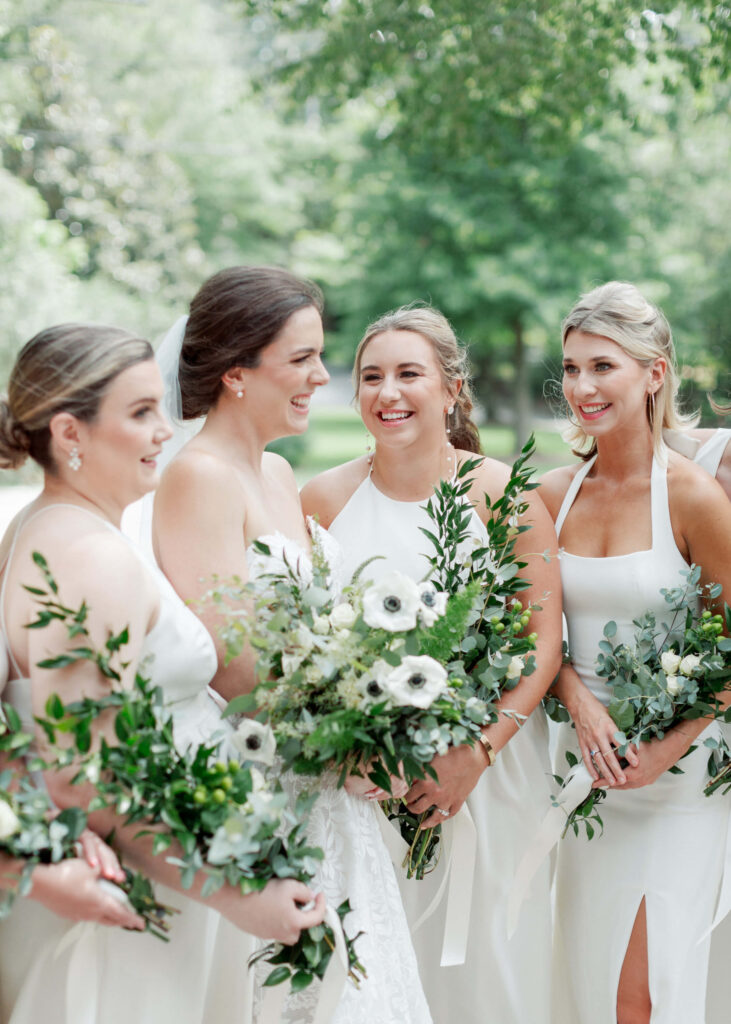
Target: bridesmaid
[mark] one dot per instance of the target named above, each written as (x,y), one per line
(84,403)
(411,385)
(632,905)
(250,359)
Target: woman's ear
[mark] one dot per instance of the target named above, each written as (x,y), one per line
(234,380)
(66,434)
(657,374)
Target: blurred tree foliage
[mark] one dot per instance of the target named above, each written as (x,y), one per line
(494,158)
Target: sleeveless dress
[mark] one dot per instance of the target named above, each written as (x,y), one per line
(501,981)
(109,976)
(356,865)
(718,1006)
(664,842)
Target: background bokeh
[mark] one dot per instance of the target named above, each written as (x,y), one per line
(493,158)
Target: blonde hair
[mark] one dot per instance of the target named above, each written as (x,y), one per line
(62,369)
(618,311)
(451,357)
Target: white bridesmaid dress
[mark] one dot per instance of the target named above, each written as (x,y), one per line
(664,843)
(356,865)
(55,972)
(502,981)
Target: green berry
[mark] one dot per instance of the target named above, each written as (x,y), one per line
(226,782)
(500,627)
(517,605)
(221,767)
(200,795)
(706,614)
(218,796)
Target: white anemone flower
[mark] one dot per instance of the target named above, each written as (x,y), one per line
(254,741)
(670,662)
(9,823)
(689,664)
(392,603)
(433,603)
(416,682)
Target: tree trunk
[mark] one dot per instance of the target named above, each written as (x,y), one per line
(521,397)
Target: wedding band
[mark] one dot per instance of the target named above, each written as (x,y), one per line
(444,814)
(605,752)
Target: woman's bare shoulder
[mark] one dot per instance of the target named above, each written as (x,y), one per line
(554,484)
(328,493)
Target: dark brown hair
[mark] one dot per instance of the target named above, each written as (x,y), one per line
(236,314)
(66,368)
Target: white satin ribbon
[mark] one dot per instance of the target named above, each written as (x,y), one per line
(574,791)
(459,836)
(331,989)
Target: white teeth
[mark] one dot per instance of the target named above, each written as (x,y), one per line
(395,415)
(595,408)
(301,403)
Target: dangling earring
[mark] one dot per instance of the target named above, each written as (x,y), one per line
(651,409)
(74,459)
(369,449)
(450,447)
(450,412)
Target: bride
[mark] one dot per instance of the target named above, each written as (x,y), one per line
(250,359)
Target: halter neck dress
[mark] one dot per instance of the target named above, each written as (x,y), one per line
(139,977)
(664,843)
(501,981)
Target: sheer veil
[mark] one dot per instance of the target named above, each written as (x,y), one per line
(137,518)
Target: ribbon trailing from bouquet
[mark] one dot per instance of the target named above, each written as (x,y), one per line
(575,790)
(460,852)
(331,988)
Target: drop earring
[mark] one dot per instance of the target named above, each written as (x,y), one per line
(450,412)
(240,393)
(369,448)
(651,409)
(74,459)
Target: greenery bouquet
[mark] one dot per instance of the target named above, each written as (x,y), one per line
(226,819)
(667,673)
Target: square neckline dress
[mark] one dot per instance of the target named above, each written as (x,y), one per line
(665,842)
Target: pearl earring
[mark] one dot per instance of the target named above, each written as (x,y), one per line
(450,411)
(74,459)
(240,393)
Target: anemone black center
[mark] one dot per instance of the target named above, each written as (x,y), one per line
(392,603)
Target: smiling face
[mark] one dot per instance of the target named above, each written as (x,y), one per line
(401,392)
(120,446)
(278,390)
(605,387)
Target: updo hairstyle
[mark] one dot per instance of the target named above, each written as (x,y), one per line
(233,317)
(618,311)
(451,357)
(66,368)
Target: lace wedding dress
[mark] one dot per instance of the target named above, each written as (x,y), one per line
(356,866)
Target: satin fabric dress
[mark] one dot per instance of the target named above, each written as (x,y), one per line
(664,843)
(502,981)
(101,975)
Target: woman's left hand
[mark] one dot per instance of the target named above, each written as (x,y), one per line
(458,771)
(656,756)
(361,785)
(97,854)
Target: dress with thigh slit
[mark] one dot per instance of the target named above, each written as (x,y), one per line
(664,843)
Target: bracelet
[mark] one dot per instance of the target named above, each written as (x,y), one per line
(489,750)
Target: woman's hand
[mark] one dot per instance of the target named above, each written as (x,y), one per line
(97,854)
(659,755)
(70,889)
(277,912)
(361,785)
(458,771)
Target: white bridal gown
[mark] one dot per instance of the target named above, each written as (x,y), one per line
(111,976)
(356,866)
(664,842)
(502,981)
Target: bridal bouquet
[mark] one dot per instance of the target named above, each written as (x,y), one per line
(667,673)
(33,832)
(227,820)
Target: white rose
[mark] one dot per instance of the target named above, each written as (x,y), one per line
(673,685)
(392,603)
(303,638)
(670,662)
(254,741)
(433,603)
(515,668)
(9,823)
(321,625)
(689,664)
(416,682)
(342,616)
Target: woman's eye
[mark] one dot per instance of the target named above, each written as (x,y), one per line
(569,370)
(371,378)
(142,412)
(603,366)
(409,373)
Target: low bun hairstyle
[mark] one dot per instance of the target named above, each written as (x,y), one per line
(620,312)
(235,314)
(451,357)
(62,369)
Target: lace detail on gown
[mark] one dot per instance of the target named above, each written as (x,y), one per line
(356,865)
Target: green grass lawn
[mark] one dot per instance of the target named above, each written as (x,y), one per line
(336,434)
